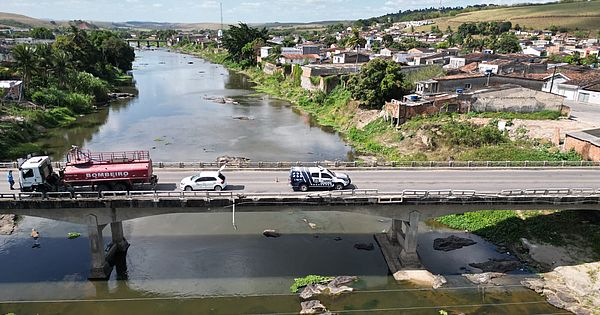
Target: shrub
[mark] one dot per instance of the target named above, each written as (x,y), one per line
(86,83)
(48,97)
(78,103)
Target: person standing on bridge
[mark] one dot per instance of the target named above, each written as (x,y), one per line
(11,180)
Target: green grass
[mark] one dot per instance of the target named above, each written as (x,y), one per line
(310,279)
(579,227)
(541,115)
(582,15)
(518,151)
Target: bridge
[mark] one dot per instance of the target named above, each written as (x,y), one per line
(147,41)
(406,196)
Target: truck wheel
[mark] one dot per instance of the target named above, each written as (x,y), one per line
(218,188)
(338,186)
(303,187)
(188,188)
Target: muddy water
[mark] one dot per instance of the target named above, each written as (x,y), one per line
(176,117)
(200,263)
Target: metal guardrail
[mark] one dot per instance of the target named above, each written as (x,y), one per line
(360,164)
(343,194)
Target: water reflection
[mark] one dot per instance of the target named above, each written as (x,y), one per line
(176,117)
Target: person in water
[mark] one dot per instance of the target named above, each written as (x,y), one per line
(35,235)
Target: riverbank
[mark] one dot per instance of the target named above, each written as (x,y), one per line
(563,247)
(439,137)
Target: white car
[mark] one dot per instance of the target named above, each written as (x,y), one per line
(209,180)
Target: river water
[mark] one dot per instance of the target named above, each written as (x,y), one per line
(200,263)
(175,117)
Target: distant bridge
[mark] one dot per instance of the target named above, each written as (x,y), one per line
(406,208)
(147,41)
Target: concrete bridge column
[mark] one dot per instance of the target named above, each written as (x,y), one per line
(100,269)
(118,238)
(404,234)
(408,255)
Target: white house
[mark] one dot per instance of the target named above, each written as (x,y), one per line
(536,51)
(296,59)
(264,51)
(576,85)
(457,62)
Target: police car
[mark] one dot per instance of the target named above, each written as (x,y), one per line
(304,178)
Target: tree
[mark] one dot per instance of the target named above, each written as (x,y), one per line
(387,40)
(25,60)
(507,43)
(329,40)
(236,37)
(41,33)
(378,81)
(356,41)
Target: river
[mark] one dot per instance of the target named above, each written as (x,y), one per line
(200,263)
(175,118)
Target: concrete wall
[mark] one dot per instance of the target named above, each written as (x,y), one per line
(518,100)
(445,86)
(587,150)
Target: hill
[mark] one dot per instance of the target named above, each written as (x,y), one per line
(583,15)
(17,20)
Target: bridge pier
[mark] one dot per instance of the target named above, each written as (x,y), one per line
(100,261)
(399,245)
(100,269)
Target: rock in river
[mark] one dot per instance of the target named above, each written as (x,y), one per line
(420,277)
(451,243)
(498,265)
(483,278)
(364,246)
(336,286)
(312,307)
(271,233)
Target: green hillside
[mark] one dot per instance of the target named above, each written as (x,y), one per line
(583,15)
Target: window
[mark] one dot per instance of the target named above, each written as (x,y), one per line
(222,177)
(315,175)
(325,175)
(205,179)
(467,86)
(27,173)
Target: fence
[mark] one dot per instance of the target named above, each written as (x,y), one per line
(445,194)
(362,164)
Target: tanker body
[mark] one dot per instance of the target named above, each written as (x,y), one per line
(101,171)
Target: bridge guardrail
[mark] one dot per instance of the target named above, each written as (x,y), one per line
(356,193)
(360,164)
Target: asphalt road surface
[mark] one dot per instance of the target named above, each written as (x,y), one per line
(397,180)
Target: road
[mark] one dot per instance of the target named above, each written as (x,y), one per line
(398,180)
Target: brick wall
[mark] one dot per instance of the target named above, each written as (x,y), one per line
(587,150)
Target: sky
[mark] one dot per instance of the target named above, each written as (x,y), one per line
(199,11)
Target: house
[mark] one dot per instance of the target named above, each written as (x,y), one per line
(291,51)
(265,51)
(535,51)
(310,49)
(398,112)
(420,50)
(325,77)
(586,143)
(297,59)
(350,57)
(576,84)
(389,52)
(12,89)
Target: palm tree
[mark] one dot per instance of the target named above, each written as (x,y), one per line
(355,42)
(26,61)
(61,66)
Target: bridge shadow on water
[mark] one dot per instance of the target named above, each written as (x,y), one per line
(197,257)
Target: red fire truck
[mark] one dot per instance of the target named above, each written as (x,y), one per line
(101,171)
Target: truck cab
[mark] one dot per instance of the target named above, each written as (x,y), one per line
(36,174)
(305,178)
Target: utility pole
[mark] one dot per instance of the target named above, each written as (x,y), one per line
(552,81)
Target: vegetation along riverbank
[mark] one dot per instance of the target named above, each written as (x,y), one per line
(61,81)
(353,109)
